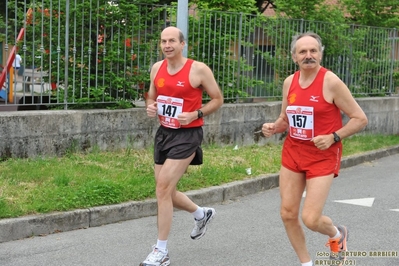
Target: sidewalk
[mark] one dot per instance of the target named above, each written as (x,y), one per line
(19,228)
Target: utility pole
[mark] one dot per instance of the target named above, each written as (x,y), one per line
(182,21)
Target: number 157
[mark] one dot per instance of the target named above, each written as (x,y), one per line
(299,120)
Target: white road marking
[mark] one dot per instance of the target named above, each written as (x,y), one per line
(367,202)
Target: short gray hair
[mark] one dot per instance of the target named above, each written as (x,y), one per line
(299,36)
(181,36)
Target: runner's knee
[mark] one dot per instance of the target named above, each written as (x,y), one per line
(288,214)
(311,221)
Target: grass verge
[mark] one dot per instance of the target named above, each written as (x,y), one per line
(42,185)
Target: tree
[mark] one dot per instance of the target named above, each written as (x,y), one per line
(2,26)
(315,10)
(3,4)
(381,13)
(245,6)
(262,5)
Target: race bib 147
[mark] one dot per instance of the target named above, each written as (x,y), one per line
(168,110)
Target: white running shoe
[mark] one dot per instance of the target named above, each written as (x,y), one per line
(201,225)
(156,258)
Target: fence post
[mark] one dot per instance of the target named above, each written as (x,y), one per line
(391,81)
(348,75)
(66,54)
(239,53)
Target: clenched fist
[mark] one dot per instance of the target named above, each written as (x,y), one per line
(268,129)
(152,109)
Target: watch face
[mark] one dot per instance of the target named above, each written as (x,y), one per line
(336,137)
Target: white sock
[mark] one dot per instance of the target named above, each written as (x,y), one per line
(161,244)
(338,234)
(310,263)
(198,214)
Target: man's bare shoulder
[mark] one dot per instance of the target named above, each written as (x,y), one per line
(332,79)
(330,75)
(288,80)
(199,66)
(155,67)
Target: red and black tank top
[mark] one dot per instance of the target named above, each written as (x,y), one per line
(176,95)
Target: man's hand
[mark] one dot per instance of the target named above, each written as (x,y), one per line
(268,129)
(323,142)
(152,109)
(186,118)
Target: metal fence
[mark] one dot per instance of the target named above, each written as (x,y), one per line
(99,54)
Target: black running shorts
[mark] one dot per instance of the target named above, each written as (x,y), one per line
(178,144)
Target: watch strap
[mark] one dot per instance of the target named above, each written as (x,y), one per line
(336,137)
(200,113)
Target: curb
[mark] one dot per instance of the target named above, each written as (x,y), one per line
(39,225)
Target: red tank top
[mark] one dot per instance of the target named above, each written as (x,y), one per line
(176,95)
(309,114)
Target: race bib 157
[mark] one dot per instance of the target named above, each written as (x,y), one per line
(301,122)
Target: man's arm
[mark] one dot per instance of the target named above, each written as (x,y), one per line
(150,101)
(152,92)
(336,92)
(343,99)
(281,123)
(209,84)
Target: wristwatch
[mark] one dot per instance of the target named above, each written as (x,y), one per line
(336,137)
(200,113)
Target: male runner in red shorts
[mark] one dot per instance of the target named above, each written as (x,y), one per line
(313,99)
(175,97)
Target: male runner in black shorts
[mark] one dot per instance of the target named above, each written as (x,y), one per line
(175,97)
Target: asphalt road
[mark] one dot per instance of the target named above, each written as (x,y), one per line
(247,231)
